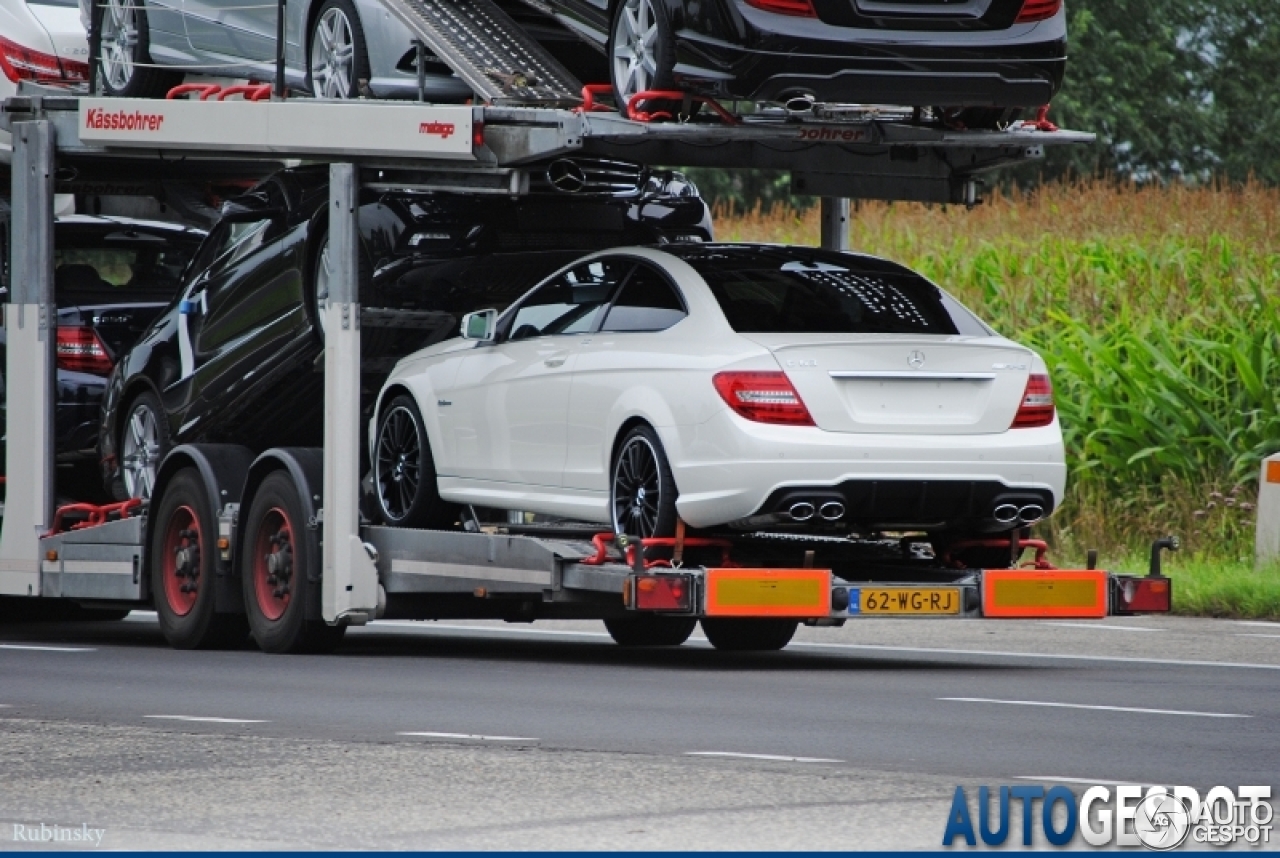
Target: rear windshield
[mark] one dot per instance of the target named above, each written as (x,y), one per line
(801,291)
(121,264)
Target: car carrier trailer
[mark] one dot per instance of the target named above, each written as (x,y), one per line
(223,519)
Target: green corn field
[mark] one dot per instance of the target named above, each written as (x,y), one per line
(1158,312)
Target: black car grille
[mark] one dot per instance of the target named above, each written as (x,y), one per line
(589,176)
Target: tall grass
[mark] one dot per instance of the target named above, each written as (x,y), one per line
(1158,311)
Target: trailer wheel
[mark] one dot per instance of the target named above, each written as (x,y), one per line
(650,630)
(748,635)
(278,558)
(184,565)
(404,473)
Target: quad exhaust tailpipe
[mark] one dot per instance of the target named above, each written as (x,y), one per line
(801,511)
(831,511)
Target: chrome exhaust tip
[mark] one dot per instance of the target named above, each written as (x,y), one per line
(1031,513)
(802,511)
(1006,513)
(832,511)
(800,103)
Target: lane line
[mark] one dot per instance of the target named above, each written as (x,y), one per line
(1113,659)
(475,737)
(1253,635)
(1256,623)
(50,648)
(1099,626)
(1089,706)
(772,757)
(1095,781)
(208,719)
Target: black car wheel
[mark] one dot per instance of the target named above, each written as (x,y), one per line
(339,57)
(122,44)
(642,50)
(144,442)
(642,494)
(404,474)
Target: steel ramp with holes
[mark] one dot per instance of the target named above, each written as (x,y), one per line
(490,51)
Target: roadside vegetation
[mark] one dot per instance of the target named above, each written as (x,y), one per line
(1158,311)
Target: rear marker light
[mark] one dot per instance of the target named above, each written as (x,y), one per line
(79,349)
(797,8)
(764,397)
(664,593)
(1038,10)
(1144,595)
(1037,404)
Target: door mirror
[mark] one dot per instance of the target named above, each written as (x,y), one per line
(480,325)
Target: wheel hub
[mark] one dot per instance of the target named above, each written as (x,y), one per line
(187,561)
(280,564)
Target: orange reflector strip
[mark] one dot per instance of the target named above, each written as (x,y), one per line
(1057,593)
(1273,471)
(768,592)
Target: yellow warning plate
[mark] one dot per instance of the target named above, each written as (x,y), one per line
(768,592)
(1053,593)
(904,600)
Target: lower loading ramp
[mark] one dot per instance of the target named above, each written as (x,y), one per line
(487,148)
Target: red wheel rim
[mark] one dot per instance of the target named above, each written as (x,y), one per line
(274,564)
(181,559)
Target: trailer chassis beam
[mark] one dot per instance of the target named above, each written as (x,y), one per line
(31,325)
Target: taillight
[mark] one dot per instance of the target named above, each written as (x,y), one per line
(664,593)
(19,63)
(1037,404)
(798,8)
(79,349)
(765,397)
(1038,10)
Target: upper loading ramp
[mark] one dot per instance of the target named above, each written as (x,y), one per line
(491,52)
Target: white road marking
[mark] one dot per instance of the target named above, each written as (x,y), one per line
(50,648)
(1256,623)
(141,617)
(1252,635)
(1116,659)
(475,737)
(1097,781)
(1099,626)
(773,757)
(1089,706)
(209,719)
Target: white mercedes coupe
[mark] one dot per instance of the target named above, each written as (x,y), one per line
(735,386)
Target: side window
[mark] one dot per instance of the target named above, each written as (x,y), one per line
(647,303)
(571,303)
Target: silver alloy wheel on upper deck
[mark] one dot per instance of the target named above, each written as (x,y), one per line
(119,42)
(333,55)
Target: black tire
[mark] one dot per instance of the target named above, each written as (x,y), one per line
(118,75)
(639,467)
(404,473)
(143,440)
(748,635)
(650,630)
(655,66)
(183,536)
(277,557)
(333,85)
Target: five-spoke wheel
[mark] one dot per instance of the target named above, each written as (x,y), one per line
(339,59)
(144,442)
(641,49)
(123,40)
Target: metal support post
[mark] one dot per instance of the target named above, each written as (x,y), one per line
(350,586)
(281,88)
(835,223)
(31,325)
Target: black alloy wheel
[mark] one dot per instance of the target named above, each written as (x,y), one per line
(642,495)
(404,474)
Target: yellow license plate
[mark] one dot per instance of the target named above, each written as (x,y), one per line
(904,600)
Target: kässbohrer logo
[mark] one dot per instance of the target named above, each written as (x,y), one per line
(443,129)
(122,120)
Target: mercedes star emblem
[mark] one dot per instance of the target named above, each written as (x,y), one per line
(564,175)
(916,359)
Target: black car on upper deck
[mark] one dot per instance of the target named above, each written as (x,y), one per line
(235,356)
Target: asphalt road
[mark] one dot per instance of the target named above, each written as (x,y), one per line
(485,735)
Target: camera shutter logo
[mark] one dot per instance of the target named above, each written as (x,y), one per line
(1162,822)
